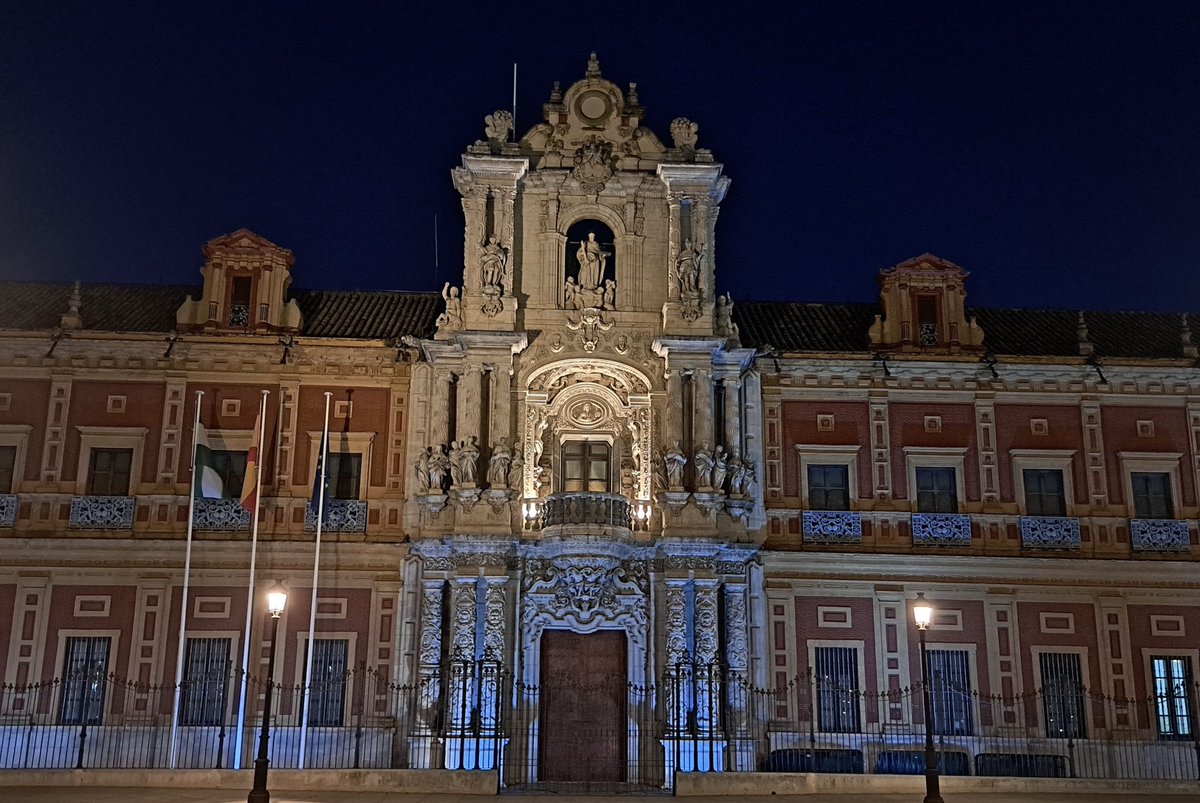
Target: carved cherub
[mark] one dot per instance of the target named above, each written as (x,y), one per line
(452,317)
(497,125)
(684,132)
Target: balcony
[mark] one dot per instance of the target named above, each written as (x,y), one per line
(1050,532)
(1159,535)
(941,529)
(580,508)
(8,510)
(102,512)
(221,515)
(341,516)
(840,527)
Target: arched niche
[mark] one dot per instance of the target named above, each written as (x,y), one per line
(590,274)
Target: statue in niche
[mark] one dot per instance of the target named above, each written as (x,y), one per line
(687,271)
(610,294)
(455,461)
(674,460)
(723,324)
(720,467)
(493,266)
(421,469)
(439,466)
(593,260)
(704,466)
(498,464)
(468,462)
(452,318)
(516,469)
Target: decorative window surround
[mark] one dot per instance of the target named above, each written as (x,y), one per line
(1159,535)
(826,455)
(102,512)
(832,527)
(1050,532)
(16,435)
(941,529)
(109,438)
(1150,462)
(935,457)
(341,516)
(1060,459)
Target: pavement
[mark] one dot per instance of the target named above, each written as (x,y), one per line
(49,794)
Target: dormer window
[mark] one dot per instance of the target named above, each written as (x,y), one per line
(927,320)
(239,302)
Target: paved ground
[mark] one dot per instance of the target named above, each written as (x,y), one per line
(45,794)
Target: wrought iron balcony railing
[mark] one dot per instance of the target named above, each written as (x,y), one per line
(221,515)
(8,510)
(1159,535)
(1050,532)
(832,527)
(102,512)
(341,516)
(941,529)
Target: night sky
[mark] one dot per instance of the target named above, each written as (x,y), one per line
(1050,148)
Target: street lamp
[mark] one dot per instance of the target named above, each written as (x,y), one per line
(276,600)
(923,615)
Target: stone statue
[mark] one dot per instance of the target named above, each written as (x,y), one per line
(544,478)
(610,294)
(468,461)
(720,467)
(674,461)
(687,268)
(516,469)
(497,125)
(455,461)
(452,318)
(704,466)
(736,472)
(723,324)
(498,464)
(493,266)
(439,465)
(683,133)
(571,298)
(421,469)
(593,261)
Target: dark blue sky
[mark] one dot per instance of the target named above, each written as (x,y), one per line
(1051,148)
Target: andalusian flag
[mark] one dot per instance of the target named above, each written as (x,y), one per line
(250,483)
(206,480)
(320,494)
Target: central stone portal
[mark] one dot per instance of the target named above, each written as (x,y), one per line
(582,716)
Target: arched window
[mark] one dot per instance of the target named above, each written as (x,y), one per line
(591,266)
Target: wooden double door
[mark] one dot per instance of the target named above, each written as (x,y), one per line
(582,717)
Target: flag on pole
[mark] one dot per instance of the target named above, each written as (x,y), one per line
(250,483)
(320,492)
(206,480)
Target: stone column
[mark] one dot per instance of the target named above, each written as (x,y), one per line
(733,419)
(500,424)
(673,416)
(708,673)
(490,691)
(429,651)
(700,238)
(737,660)
(470,386)
(674,239)
(439,412)
(678,690)
(702,408)
(462,653)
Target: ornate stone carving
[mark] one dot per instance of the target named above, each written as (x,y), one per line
(706,623)
(451,319)
(832,527)
(493,276)
(723,325)
(688,274)
(684,133)
(941,529)
(498,125)
(421,470)
(493,622)
(1159,535)
(594,164)
(102,512)
(704,465)
(674,461)
(720,468)
(677,651)
(1050,532)
(498,464)
(589,324)
(463,624)
(430,649)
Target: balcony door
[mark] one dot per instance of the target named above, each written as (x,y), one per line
(586,466)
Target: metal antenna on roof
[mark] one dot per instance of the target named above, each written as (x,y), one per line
(514,110)
(435,250)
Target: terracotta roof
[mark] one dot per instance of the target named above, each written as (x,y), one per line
(151,308)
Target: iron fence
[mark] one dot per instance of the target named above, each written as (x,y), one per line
(602,735)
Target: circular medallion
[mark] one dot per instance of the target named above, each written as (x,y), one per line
(587,413)
(594,107)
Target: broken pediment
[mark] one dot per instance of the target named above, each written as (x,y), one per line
(924,309)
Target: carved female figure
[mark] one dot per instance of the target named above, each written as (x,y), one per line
(498,464)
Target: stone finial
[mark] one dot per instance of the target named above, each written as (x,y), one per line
(556,93)
(498,125)
(593,68)
(1185,336)
(632,96)
(683,133)
(1086,348)
(72,319)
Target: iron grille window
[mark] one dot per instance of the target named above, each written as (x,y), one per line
(1044,492)
(326,707)
(1152,495)
(343,474)
(84,682)
(239,308)
(927,320)
(950,689)
(586,466)
(1062,695)
(837,689)
(937,491)
(1173,691)
(205,678)
(108,472)
(829,487)
(8,464)
(232,468)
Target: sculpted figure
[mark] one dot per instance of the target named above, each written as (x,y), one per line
(610,294)
(704,467)
(439,464)
(468,461)
(737,474)
(421,470)
(592,261)
(493,264)
(455,460)
(516,469)
(452,318)
(498,464)
(497,125)
(571,294)
(674,461)
(720,467)
(723,323)
(687,267)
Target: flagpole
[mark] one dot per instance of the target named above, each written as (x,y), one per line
(312,610)
(242,702)
(183,603)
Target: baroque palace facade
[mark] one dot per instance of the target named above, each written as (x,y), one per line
(585,464)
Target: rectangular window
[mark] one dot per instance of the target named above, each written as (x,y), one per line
(343,475)
(205,676)
(1044,492)
(108,472)
(329,676)
(8,467)
(1063,695)
(232,468)
(84,681)
(837,689)
(239,304)
(950,690)
(586,466)
(927,320)
(1173,691)
(828,487)
(1152,495)
(937,490)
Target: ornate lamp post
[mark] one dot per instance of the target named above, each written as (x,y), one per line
(276,600)
(923,615)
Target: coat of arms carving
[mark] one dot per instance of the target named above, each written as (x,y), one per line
(593,164)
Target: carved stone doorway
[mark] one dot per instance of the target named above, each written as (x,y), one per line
(582,716)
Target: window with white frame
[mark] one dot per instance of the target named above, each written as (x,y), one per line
(84,680)
(937,489)
(951,692)
(205,681)
(828,487)
(120,473)
(1173,689)
(109,472)
(1044,492)
(1063,692)
(837,686)
(1152,495)
(344,475)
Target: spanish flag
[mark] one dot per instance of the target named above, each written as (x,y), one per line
(250,483)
